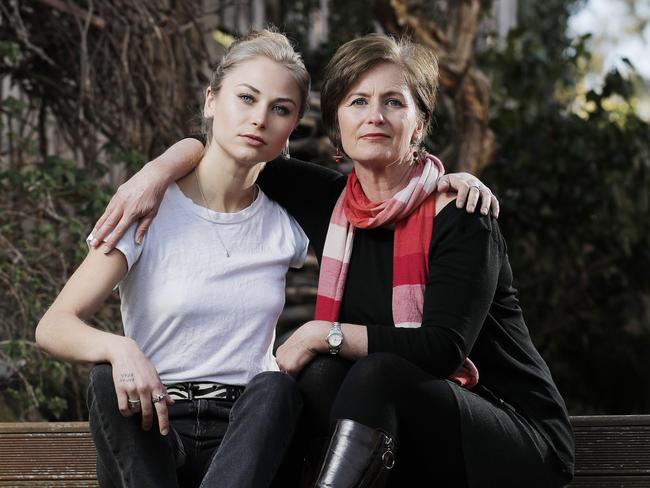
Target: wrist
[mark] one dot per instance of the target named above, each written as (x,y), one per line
(315,333)
(116,346)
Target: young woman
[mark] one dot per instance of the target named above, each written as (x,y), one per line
(192,387)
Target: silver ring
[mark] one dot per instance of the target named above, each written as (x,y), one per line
(133,403)
(158,398)
(478,187)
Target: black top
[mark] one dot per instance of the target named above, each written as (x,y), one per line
(470,305)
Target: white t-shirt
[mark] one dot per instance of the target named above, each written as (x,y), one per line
(197,314)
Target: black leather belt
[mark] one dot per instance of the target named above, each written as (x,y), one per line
(194,391)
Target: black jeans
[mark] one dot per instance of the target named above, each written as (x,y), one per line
(211,443)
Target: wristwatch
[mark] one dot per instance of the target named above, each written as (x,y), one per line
(334,338)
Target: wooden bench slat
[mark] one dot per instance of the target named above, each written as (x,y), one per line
(610,420)
(88,483)
(46,427)
(611,482)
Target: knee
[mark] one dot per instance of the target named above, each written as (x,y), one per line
(324,365)
(373,369)
(274,387)
(324,371)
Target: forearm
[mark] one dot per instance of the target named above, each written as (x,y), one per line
(66,336)
(436,350)
(355,341)
(177,160)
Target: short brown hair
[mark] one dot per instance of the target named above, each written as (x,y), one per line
(355,58)
(267,43)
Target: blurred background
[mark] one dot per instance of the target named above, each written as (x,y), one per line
(547,102)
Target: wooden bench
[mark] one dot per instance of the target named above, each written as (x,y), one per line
(47,454)
(611,452)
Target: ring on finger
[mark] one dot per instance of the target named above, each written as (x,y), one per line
(478,187)
(158,398)
(133,404)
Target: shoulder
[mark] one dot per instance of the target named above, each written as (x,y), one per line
(174,201)
(443,199)
(271,210)
(451,218)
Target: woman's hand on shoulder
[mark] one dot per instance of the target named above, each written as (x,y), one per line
(303,345)
(137,380)
(140,197)
(469,188)
(137,198)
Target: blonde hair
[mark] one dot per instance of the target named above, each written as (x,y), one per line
(355,58)
(267,43)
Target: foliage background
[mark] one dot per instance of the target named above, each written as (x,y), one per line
(571,167)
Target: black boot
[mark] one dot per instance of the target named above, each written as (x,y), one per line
(358,456)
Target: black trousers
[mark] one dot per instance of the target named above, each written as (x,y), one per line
(446,436)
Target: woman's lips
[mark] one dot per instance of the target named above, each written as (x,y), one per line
(375,136)
(253,140)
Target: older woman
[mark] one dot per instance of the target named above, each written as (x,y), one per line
(415,301)
(414,304)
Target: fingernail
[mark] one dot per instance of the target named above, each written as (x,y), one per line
(138,240)
(105,249)
(471,208)
(164,432)
(484,211)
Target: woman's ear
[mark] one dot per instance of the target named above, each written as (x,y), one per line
(208,106)
(416,138)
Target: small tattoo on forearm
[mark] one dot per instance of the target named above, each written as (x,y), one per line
(127,378)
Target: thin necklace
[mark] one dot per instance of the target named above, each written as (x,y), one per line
(205,201)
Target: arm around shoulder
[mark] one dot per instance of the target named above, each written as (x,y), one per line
(140,196)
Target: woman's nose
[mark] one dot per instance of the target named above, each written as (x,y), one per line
(259,118)
(376,116)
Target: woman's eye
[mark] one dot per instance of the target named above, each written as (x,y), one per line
(394,102)
(245,98)
(281,110)
(358,101)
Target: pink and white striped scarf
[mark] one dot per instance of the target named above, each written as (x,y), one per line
(412,211)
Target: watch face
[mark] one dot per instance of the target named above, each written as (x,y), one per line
(335,340)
